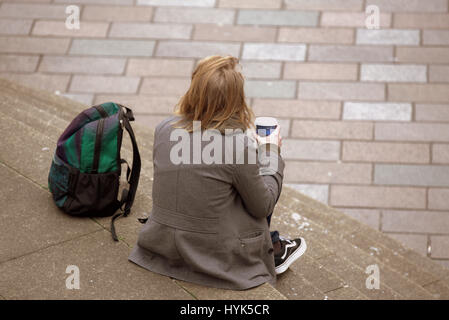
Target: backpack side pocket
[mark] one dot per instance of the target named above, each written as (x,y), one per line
(59,181)
(93,194)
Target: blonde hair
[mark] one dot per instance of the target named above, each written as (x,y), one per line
(216,97)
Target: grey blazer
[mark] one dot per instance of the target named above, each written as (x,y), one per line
(208,222)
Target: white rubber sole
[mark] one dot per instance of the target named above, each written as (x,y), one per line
(296,254)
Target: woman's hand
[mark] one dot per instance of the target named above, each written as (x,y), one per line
(274,138)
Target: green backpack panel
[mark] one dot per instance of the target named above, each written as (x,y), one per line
(85,172)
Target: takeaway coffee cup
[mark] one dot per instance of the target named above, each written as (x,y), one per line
(265,125)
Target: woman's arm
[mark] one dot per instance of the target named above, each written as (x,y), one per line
(260,184)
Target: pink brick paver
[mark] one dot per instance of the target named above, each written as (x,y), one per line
(365,113)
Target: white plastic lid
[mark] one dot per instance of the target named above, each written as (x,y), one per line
(266,121)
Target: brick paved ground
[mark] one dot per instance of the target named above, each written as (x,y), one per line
(365,113)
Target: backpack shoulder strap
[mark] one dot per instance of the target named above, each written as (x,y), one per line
(128,195)
(135,169)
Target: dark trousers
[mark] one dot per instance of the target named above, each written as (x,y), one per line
(274,234)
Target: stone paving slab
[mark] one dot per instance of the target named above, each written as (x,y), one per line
(295,287)
(105,273)
(342,270)
(428,265)
(320,277)
(345,293)
(356,276)
(61,107)
(29,211)
(439,289)
(394,279)
(395,260)
(28,151)
(262,292)
(335,242)
(128,228)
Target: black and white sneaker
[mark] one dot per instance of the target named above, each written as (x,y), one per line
(291,250)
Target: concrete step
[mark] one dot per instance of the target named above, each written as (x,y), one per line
(128,229)
(407,263)
(34,140)
(32,144)
(52,126)
(362,235)
(331,285)
(295,287)
(51,118)
(262,292)
(327,261)
(129,234)
(339,247)
(53,129)
(349,254)
(41,243)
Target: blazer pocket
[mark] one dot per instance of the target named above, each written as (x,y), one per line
(252,244)
(251,237)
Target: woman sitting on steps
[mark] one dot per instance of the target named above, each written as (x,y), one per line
(210,221)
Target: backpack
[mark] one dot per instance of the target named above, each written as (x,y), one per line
(85,171)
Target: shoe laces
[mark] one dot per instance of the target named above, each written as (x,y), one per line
(285,239)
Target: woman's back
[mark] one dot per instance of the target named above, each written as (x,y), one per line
(200,229)
(211,194)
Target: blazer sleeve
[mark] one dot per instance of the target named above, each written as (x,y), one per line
(260,184)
